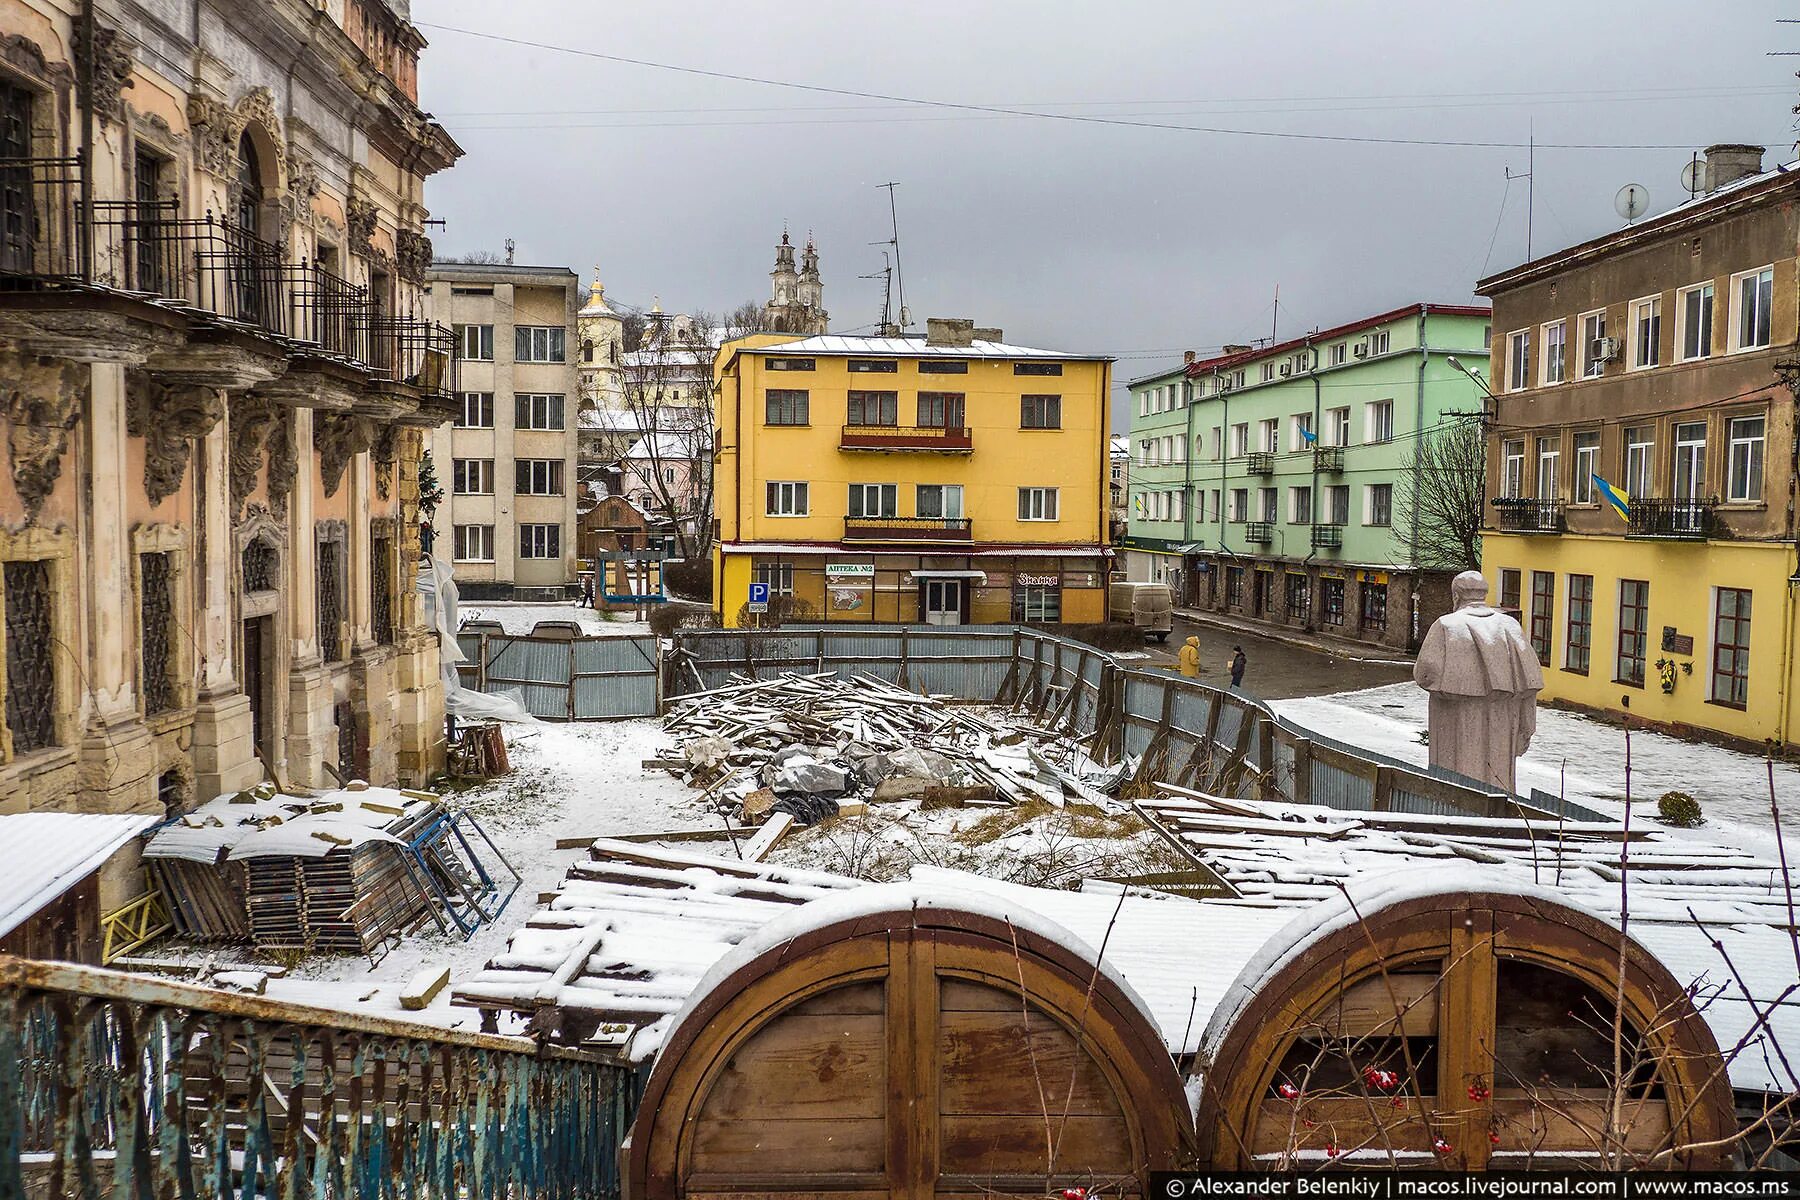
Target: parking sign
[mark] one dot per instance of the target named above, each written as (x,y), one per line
(759,597)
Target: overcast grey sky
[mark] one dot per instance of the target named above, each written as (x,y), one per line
(1080,235)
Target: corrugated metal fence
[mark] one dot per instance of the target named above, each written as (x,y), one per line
(565,679)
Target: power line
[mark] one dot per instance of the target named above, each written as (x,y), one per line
(1074,118)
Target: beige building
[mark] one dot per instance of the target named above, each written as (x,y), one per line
(507,460)
(217,384)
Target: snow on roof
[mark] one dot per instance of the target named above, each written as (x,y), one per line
(671,447)
(261,824)
(612,419)
(911,346)
(49,853)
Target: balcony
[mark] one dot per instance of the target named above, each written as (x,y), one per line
(1689,520)
(1327,537)
(1259,533)
(1329,460)
(1515,514)
(928,439)
(906,529)
(1259,462)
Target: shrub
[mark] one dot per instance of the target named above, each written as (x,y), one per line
(689,578)
(667,617)
(1679,808)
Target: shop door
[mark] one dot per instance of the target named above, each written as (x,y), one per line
(1260,592)
(943,601)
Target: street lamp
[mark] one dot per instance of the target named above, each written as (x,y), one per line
(1479,382)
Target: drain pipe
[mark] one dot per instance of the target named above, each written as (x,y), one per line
(89,35)
(1412,553)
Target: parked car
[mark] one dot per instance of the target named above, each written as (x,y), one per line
(1149,606)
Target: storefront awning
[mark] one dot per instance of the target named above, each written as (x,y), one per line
(977,576)
(1191,548)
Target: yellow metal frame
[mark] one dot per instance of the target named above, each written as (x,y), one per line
(140,922)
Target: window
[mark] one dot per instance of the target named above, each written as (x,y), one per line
(1378,341)
(1331,600)
(1731,647)
(1337,504)
(1036,602)
(1634,626)
(1268,436)
(538,344)
(941,410)
(1543,606)
(1300,506)
(1037,504)
(474,543)
(785,406)
(1518,360)
(941,366)
(477,411)
(779,577)
(1694,310)
(1587,465)
(1593,329)
(1240,440)
(540,541)
(1556,352)
(1744,466)
(1751,297)
(156,620)
(329,589)
(874,500)
(1509,588)
(1037,368)
(1337,426)
(1378,504)
(1211,510)
(790,364)
(1299,596)
(1266,497)
(874,408)
(587,350)
(1234,586)
(1040,412)
(538,476)
(941,500)
(1379,422)
(475,343)
(1578,642)
(1512,468)
(381,589)
(874,366)
(1237,379)
(472,476)
(786,499)
(1143,404)
(1549,460)
(1239,511)
(538,411)
(1690,460)
(1640,451)
(1646,337)
(1299,426)
(1374,605)
(1337,355)
(1216,443)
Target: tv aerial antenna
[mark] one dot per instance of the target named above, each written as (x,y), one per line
(905,317)
(1694,177)
(1529,175)
(886,275)
(1632,202)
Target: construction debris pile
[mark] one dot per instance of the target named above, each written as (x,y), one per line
(350,871)
(807,747)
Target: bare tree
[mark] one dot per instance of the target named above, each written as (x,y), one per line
(668,388)
(1438,513)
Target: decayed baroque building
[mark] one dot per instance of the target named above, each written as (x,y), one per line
(214,388)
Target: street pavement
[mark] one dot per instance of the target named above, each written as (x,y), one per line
(1275,670)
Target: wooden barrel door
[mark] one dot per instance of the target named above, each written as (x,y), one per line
(920,1053)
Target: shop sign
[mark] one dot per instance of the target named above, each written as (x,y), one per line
(850,572)
(1024,580)
(1269,568)
(1372,576)
(1332,573)
(847,599)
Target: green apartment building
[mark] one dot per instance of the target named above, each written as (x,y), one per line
(1267,482)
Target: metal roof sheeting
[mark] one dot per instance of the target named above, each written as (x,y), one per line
(49,853)
(911,347)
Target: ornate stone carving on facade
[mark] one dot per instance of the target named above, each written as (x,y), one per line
(27,57)
(337,437)
(168,419)
(412,255)
(257,107)
(359,215)
(284,462)
(302,188)
(112,66)
(42,403)
(384,451)
(251,421)
(213,128)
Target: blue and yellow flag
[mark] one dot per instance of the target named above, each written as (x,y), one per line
(1308,436)
(1614,496)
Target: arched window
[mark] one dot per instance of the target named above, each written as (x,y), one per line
(587,350)
(247,187)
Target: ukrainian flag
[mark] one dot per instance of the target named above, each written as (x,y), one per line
(1614,496)
(1308,436)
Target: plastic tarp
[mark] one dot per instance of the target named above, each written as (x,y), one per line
(437,586)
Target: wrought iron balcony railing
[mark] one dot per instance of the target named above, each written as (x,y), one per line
(414,351)
(330,312)
(1259,462)
(1688,519)
(1519,514)
(1328,460)
(952,439)
(1327,537)
(41,238)
(906,529)
(1259,533)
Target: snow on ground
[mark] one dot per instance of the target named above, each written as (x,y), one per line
(1732,787)
(520,618)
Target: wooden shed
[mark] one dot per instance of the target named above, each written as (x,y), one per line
(886,1043)
(1469,1029)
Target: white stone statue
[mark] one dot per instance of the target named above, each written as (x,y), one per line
(1484,679)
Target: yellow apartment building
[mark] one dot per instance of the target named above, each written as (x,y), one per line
(945,479)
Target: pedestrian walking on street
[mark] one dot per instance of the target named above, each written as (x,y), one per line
(1189,658)
(1237,666)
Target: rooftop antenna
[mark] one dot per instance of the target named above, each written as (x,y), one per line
(1530,183)
(1275,321)
(1632,202)
(886,274)
(509,252)
(894,241)
(1693,176)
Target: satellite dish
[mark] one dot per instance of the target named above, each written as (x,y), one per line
(1632,202)
(1693,177)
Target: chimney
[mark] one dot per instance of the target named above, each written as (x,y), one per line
(1237,348)
(1726,163)
(988,334)
(949,331)
(1187,358)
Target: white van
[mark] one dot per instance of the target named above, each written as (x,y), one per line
(1149,606)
